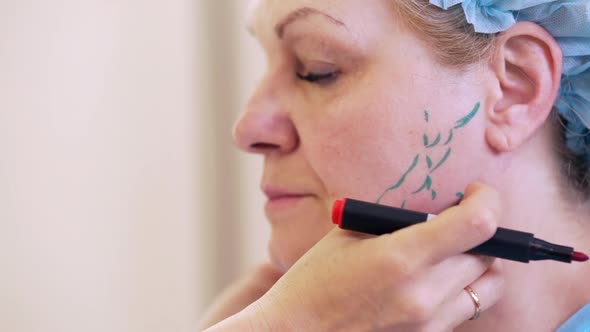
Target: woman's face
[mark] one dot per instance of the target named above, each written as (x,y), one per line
(352,104)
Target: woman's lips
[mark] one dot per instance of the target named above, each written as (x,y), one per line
(283,200)
(282,203)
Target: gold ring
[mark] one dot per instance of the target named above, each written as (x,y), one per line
(475,299)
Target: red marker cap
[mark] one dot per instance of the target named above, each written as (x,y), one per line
(338,211)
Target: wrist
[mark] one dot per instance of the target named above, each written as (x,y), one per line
(260,316)
(278,314)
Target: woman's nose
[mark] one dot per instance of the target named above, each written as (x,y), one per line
(265,127)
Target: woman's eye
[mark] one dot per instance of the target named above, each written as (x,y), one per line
(323,78)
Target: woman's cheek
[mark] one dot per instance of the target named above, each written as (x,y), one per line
(356,156)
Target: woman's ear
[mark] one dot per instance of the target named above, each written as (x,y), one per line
(527,63)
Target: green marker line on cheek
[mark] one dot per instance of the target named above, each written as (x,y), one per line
(427,184)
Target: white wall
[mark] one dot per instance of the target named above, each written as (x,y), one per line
(237,232)
(114,156)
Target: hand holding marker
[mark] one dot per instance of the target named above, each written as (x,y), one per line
(509,244)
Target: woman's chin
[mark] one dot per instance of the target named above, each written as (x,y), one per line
(286,247)
(295,228)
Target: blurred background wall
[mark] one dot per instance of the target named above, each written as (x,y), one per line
(123,204)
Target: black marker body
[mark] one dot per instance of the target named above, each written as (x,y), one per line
(509,244)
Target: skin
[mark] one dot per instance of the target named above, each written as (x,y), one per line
(372,113)
(356,132)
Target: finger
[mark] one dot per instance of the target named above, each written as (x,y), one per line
(472,188)
(454,231)
(464,268)
(489,289)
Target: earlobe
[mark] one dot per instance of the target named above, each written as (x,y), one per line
(505,134)
(527,65)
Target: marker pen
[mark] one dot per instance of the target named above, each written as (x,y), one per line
(509,244)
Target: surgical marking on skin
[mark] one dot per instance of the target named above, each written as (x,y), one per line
(429,162)
(435,143)
(427,184)
(442,161)
(402,179)
(465,120)
(450,137)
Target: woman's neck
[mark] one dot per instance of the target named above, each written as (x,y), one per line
(541,295)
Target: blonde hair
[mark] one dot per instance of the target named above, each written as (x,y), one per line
(453,39)
(456,44)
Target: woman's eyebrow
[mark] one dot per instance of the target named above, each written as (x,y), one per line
(300,14)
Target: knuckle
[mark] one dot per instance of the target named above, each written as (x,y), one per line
(483,223)
(399,267)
